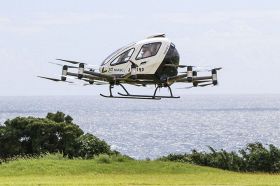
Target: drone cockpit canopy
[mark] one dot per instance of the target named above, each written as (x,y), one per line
(150,44)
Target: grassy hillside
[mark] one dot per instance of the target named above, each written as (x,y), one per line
(54,169)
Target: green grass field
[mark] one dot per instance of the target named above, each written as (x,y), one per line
(55,170)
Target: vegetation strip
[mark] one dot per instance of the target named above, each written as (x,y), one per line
(56,169)
(54,150)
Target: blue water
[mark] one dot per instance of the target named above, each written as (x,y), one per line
(145,128)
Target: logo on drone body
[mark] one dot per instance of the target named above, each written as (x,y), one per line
(103,70)
(118,70)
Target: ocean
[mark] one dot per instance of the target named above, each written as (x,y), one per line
(150,129)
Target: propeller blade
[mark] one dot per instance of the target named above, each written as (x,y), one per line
(204,85)
(100,83)
(69,77)
(206,69)
(185,87)
(203,69)
(173,65)
(196,68)
(63,65)
(95,83)
(219,68)
(54,79)
(70,61)
(203,81)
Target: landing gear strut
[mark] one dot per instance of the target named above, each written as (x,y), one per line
(138,96)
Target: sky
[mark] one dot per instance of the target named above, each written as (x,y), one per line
(242,36)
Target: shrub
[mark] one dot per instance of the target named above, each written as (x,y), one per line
(89,146)
(103,158)
(23,136)
(254,158)
(121,158)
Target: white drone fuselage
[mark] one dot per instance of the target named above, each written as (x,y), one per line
(145,66)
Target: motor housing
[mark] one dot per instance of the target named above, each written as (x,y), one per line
(214,77)
(64,72)
(81,70)
(189,74)
(194,74)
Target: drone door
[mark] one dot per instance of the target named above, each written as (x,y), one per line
(121,63)
(147,58)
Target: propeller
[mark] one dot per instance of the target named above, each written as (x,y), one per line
(54,79)
(186,87)
(203,81)
(90,67)
(184,66)
(95,83)
(70,61)
(173,65)
(204,85)
(62,65)
(69,77)
(203,70)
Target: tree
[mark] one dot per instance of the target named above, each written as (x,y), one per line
(55,133)
(91,146)
(57,117)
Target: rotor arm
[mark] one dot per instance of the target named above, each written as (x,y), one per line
(191,77)
(196,79)
(86,77)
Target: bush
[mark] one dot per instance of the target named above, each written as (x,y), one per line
(121,158)
(254,158)
(91,146)
(103,158)
(56,133)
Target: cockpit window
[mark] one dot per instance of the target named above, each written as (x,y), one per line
(148,50)
(111,55)
(123,58)
(115,52)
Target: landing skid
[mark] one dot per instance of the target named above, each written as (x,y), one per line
(147,96)
(127,95)
(130,97)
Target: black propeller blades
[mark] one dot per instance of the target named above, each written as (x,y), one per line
(54,79)
(89,67)
(70,61)
(63,65)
